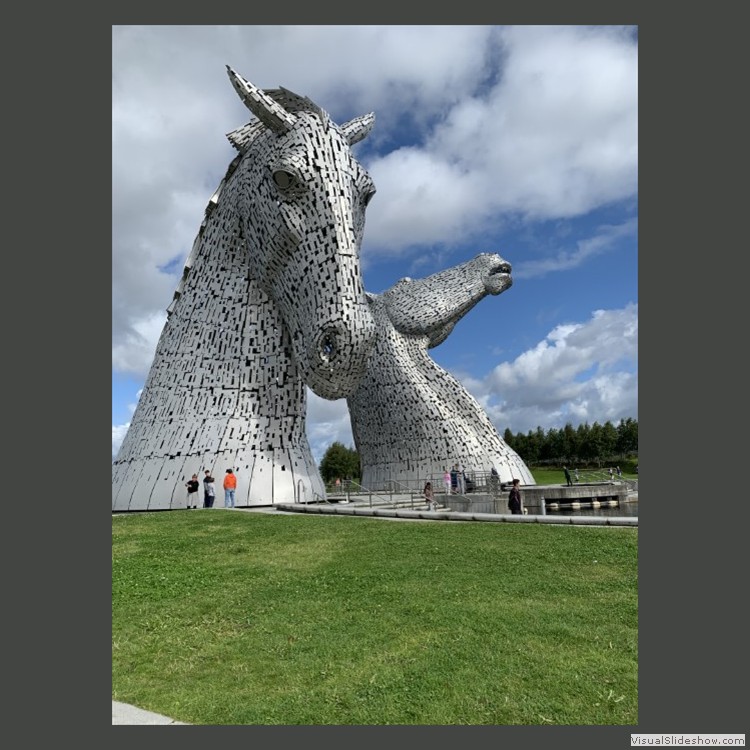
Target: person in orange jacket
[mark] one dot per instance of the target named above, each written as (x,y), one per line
(230,485)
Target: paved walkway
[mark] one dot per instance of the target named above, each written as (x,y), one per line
(123,713)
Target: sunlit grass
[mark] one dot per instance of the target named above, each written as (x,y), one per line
(225,617)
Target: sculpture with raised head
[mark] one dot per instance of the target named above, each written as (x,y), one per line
(410,418)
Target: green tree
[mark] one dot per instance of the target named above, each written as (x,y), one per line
(570,443)
(583,437)
(533,444)
(339,462)
(596,443)
(609,441)
(627,437)
(550,448)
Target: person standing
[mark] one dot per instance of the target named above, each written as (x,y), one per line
(575,471)
(230,485)
(209,491)
(514,498)
(429,496)
(447,481)
(192,492)
(461,479)
(567,476)
(494,480)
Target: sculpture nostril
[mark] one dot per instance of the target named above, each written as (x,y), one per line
(328,347)
(502,268)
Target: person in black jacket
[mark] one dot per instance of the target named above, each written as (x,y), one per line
(192,492)
(209,491)
(514,498)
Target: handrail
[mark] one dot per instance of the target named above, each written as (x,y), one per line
(353,488)
(410,491)
(603,476)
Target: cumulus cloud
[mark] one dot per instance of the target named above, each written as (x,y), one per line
(580,372)
(555,136)
(119,431)
(133,351)
(327,422)
(118,435)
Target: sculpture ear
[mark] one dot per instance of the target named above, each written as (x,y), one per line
(242,137)
(358,128)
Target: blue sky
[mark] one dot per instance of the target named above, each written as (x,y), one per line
(517,140)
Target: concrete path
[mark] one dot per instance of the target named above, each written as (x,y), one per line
(123,713)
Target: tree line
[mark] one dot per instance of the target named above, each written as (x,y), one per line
(596,444)
(585,445)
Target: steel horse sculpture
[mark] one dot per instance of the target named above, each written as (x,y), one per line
(271,300)
(410,418)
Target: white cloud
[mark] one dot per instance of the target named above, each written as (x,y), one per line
(581,372)
(119,431)
(134,352)
(118,435)
(327,422)
(556,136)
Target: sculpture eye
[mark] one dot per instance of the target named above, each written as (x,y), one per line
(283,179)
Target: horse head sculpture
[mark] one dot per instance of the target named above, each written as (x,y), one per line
(271,300)
(301,199)
(410,418)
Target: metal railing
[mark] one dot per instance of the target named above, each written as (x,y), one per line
(397,494)
(410,493)
(602,475)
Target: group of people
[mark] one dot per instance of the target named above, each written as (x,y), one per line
(455,480)
(612,472)
(209,491)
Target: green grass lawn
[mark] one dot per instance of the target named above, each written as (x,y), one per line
(557,476)
(223,617)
